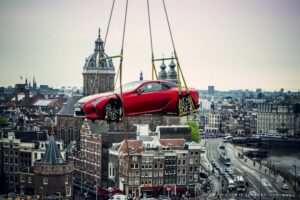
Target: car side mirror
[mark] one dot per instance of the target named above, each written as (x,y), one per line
(140,91)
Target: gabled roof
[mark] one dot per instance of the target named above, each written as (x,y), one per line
(52,154)
(132,145)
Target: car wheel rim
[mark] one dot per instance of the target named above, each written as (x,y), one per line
(112,112)
(186,105)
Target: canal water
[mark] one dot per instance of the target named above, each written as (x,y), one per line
(284,158)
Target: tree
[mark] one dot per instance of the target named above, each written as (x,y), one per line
(195,133)
(3,122)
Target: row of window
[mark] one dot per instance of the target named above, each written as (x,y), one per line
(11,153)
(11,160)
(23,177)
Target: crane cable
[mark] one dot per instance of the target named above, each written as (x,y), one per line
(180,73)
(121,92)
(97,78)
(154,73)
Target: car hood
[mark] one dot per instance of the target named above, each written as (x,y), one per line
(95,96)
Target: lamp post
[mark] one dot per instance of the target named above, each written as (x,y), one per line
(260,188)
(96,191)
(295,176)
(81,181)
(42,192)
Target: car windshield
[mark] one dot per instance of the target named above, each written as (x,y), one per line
(128,87)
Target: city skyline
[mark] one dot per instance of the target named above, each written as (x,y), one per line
(229,44)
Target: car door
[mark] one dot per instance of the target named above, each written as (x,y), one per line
(150,97)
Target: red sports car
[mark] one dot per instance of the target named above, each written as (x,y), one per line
(139,97)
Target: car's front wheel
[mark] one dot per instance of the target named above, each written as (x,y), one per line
(113,110)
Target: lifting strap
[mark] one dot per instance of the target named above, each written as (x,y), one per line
(97,77)
(180,74)
(154,73)
(121,92)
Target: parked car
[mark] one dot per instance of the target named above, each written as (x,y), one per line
(139,97)
(214,163)
(253,193)
(285,186)
(231,184)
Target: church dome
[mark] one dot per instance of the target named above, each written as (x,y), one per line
(172,74)
(95,61)
(162,75)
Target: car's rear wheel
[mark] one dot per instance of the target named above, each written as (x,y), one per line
(185,103)
(113,110)
(186,106)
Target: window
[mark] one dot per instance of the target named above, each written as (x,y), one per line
(66,179)
(45,181)
(179,162)
(151,87)
(178,181)
(134,158)
(155,166)
(183,162)
(68,191)
(22,178)
(35,155)
(29,179)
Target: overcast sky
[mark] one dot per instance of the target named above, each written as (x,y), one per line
(231,44)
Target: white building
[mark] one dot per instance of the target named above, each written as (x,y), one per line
(273,118)
(213,122)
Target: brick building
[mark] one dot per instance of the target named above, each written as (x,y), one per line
(168,166)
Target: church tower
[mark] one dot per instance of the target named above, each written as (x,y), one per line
(98,71)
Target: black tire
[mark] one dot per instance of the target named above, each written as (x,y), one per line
(113,110)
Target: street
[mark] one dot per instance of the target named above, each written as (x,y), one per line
(259,184)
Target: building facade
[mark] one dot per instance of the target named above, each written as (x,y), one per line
(88,159)
(213,122)
(170,167)
(275,118)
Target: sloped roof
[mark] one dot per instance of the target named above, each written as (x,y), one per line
(132,144)
(52,154)
(45,102)
(68,107)
(172,142)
